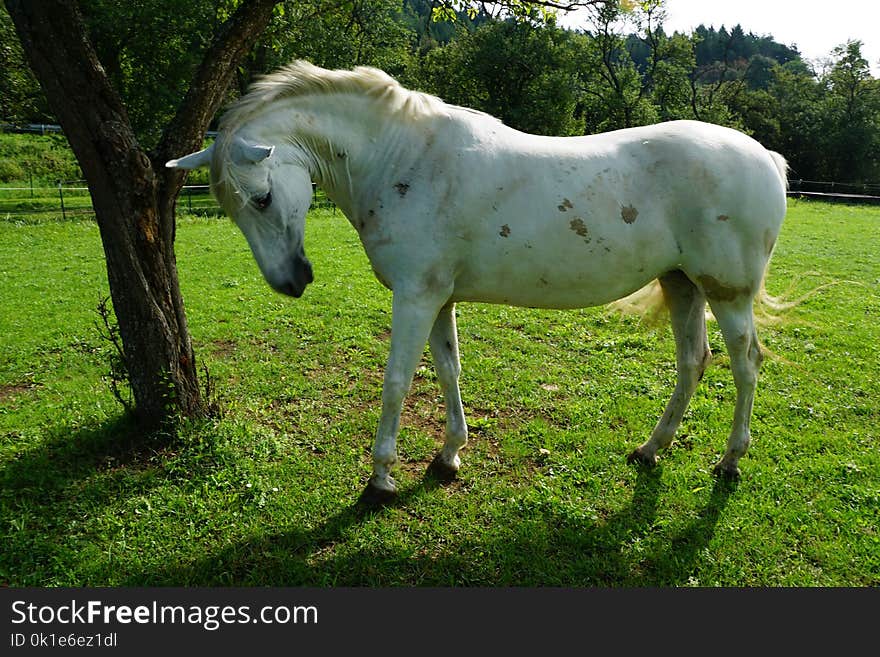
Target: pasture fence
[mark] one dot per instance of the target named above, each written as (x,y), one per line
(835,191)
(798,188)
(31,128)
(65,200)
(49,128)
(71,199)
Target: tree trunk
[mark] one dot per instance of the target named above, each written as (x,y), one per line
(133,197)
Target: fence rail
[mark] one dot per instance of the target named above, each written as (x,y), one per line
(38,128)
(48,128)
(71,199)
(835,191)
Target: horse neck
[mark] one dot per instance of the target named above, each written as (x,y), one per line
(347,145)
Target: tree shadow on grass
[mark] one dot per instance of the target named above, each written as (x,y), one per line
(545,549)
(65,456)
(55,483)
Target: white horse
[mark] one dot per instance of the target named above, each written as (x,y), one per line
(451,205)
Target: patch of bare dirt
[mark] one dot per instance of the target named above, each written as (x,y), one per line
(223,348)
(13,390)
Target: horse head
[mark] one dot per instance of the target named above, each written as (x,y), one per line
(267,195)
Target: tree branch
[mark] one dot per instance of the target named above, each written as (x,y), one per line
(207,91)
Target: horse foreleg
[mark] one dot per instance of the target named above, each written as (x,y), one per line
(413,316)
(444,349)
(687,309)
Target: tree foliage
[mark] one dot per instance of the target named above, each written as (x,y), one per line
(525,75)
(851,110)
(508,58)
(21,99)
(149,51)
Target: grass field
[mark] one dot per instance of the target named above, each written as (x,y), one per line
(264,495)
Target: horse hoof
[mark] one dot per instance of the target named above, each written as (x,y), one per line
(374,497)
(638,456)
(441,470)
(726,472)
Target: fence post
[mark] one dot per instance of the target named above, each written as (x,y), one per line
(61,196)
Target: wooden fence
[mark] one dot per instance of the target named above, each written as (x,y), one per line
(68,200)
(835,191)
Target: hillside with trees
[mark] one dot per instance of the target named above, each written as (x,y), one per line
(624,70)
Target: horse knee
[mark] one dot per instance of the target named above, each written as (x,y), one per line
(747,361)
(694,366)
(394,389)
(756,353)
(446,361)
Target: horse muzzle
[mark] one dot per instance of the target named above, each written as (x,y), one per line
(300,275)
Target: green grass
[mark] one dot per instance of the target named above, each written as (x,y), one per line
(264,495)
(31,167)
(41,158)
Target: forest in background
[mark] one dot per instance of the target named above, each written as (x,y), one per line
(621,70)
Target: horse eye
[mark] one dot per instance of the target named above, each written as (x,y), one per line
(263,202)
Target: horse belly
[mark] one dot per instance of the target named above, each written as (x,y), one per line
(566,263)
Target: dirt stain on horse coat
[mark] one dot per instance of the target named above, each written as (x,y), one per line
(566,205)
(505,230)
(402,188)
(578,226)
(628,213)
(715,289)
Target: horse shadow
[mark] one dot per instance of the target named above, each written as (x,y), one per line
(547,546)
(554,549)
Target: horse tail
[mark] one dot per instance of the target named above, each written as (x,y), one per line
(769,309)
(767,306)
(781,167)
(647,303)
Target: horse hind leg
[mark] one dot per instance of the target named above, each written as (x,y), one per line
(736,320)
(444,349)
(687,307)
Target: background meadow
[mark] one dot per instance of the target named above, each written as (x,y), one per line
(264,493)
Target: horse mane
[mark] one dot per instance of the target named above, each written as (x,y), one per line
(301,78)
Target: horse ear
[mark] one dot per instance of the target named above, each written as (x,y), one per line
(193,160)
(253,153)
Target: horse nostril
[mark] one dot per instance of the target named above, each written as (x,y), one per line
(302,269)
(285,288)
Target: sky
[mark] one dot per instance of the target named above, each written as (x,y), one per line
(814,26)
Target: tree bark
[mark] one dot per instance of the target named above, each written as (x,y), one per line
(133,194)
(185,133)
